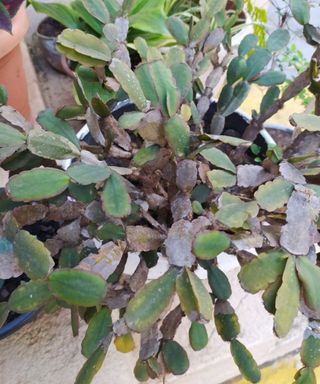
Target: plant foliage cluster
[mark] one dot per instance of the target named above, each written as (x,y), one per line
(158,181)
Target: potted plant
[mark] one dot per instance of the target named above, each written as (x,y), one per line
(154,182)
(13,27)
(146,19)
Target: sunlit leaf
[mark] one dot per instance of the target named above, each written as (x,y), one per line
(115,197)
(262,270)
(86,174)
(309,275)
(198,336)
(175,357)
(98,329)
(245,362)
(274,194)
(78,287)
(218,158)
(226,321)
(287,301)
(29,296)
(194,297)
(33,257)
(29,185)
(149,302)
(208,245)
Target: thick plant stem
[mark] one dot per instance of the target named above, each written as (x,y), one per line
(317,105)
(301,82)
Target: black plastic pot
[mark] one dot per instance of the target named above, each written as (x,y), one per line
(17,323)
(15,320)
(117,110)
(47,33)
(235,124)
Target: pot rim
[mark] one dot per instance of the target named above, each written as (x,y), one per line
(16,324)
(264,133)
(41,35)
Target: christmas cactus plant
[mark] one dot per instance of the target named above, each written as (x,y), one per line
(158,182)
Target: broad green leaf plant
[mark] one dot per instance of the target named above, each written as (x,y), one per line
(146,18)
(159,182)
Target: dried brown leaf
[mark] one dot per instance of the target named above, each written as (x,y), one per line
(200,224)
(156,201)
(121,137)
(29,214)
(244,257)
(203,170)
(117,152)
(252,175)
(179,244)
(150,342)
(70,210)
(94,127)
(291,173)
(300,232)
(120,327)
(186,175)
(95,213)
(181,207)
(171,323)
(54,246)
(106,261)
(151,128)
(139,277)
(306,142)
(249,240)
(14,117)
(118,298)
(9,266)
(70,233)
(142,238)
(272,234)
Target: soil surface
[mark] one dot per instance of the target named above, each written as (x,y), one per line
(50,28)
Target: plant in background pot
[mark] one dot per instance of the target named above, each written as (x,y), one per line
(147,19)
(155,184)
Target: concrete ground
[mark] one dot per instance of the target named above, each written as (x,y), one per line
(44,351)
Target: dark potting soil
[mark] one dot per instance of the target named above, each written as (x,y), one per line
(50,28)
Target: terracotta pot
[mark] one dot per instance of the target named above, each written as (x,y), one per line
(12,74)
